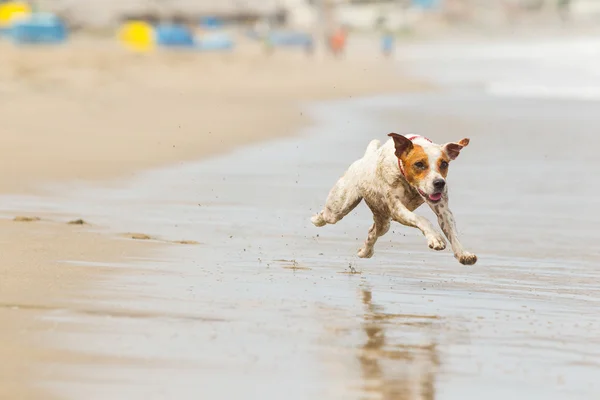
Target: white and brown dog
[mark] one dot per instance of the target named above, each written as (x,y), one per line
(394,180)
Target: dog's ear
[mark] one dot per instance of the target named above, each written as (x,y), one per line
(402,143)
(453,149)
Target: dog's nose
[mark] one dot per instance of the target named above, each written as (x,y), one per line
(439,184)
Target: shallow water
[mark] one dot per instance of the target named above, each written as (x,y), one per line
(265,306)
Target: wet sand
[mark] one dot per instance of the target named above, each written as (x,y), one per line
(36,281)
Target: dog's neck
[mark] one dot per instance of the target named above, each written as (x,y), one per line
(411,138)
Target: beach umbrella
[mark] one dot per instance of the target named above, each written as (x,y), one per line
(11,11)
(174,35)
(38,28)
(137,35)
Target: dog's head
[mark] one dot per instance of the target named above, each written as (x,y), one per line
(425,164)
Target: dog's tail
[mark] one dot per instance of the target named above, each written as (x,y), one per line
(372,147)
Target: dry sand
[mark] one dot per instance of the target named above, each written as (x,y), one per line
(88,113)
(91,111)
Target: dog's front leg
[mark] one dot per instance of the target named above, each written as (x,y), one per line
(448,225)
(406,217)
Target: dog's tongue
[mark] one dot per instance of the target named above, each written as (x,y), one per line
(435,196)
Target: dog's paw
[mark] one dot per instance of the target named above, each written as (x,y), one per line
(436,242)
(318,220)
(467,258)
(366,252)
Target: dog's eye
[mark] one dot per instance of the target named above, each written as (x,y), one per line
(443,165)
(420,165)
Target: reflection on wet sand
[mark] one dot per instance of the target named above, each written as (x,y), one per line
(392,370)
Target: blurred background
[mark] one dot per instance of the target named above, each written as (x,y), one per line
(314,16)
(129,59)
(212,130)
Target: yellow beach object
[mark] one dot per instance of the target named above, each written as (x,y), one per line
(12,10)
(137,35)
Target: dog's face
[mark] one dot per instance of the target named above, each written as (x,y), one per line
(426,164)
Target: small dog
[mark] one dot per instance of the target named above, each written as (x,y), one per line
(394,180)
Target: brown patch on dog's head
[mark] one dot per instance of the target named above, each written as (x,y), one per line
(416,164)
(453,149)
(415,161)
(402,143)
(442,164)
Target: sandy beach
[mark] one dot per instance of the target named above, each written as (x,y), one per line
(76,105)
(256,302)
(90,111)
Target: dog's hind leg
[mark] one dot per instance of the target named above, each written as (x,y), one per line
(343,198)
(381,225)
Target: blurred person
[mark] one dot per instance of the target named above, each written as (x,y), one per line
(387,43)
(338,41)
(564,8)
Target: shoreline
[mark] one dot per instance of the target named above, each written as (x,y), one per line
(85,116)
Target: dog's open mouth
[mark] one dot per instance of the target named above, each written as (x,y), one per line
(434,197)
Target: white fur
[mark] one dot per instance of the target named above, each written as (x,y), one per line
(378,180)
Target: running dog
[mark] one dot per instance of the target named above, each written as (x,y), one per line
(394,180)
